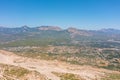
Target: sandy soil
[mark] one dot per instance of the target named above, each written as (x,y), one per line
(47,67)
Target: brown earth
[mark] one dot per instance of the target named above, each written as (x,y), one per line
(47,68)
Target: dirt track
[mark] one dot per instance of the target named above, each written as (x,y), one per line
(47,67)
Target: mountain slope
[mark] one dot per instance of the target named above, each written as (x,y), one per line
(50,69)
(56,36)
(99,48)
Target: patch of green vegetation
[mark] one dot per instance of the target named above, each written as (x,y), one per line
(67,76)
(82,56)
(17,72)
(11,72)
(112,77)
(112,67)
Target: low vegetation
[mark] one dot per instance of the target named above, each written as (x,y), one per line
(10,72)
(112,76)
(100,57)
(82,47)
(67,76)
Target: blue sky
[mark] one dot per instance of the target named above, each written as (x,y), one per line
(83,14)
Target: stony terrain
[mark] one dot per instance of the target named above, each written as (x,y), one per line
(48,69)
(52,53)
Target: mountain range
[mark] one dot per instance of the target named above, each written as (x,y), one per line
(60,36)
(99,48)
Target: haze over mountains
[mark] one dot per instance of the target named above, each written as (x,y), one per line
(56,32)
(95,48)
(90,50)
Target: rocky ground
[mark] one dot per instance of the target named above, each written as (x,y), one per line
(46,70)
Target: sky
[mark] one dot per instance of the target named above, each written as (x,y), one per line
(82,14)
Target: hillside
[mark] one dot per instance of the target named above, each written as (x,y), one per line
(64,47)
(50,35)
(14,67)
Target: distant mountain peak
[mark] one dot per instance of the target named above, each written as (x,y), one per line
(25,27)
(3,27)
(110,30)
(72,30)
(77,32)
(55,28)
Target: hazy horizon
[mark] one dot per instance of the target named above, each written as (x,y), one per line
(58,27)
(81,14)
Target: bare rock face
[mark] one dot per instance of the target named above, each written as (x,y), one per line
(76,32)
(55,28)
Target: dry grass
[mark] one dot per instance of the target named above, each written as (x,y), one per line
(10,72)
(112,76)
(68,76)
